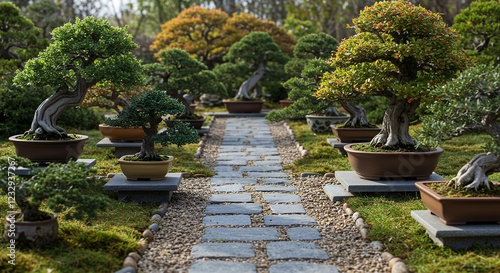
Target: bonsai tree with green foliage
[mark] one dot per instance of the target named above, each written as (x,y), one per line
(468,103)
(256,56)
(81,55)
(149,110)
(307,67)
(70,188)
(479,28)
(181,75)
(400,51)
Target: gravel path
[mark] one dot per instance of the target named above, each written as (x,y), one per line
(188,233)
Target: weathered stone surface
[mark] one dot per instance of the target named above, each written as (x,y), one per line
(221,267)
(244,208)
(287,208)
(302,267)
(223,250)
(228,188)
(227,220)
(268,174)
(336,192)
(281,198)
(231,198)
(295,250)
(240,234)
(276,181)
(222,181)
(261,169)
(291,219)
(268,188)
(267,163)
(301,233)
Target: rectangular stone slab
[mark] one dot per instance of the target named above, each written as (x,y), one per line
(222,250)
(353,183)
(144,191)
(460,236)
(122,147)
(240,234)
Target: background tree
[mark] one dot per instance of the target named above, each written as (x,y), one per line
(307,67)
(399,51)
(82,54)
(258,54)
(479,27)
(180,75)
(208,34)
(47,15)
(110,97)
(469,103)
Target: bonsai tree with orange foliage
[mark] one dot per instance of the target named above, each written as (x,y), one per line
(400,51)
(207,34)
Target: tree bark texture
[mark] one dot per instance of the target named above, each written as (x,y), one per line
(475,173)
(357,114)
(47,113)
(395,126)
(148,151)
(251,83)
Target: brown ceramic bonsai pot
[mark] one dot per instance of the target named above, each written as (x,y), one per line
(195,123)
(36,233)
(321,124)
(145,170)
(459,210)
(392,165)
(285,103)
(251,106)
(43,151)
(117,134)
(350,135)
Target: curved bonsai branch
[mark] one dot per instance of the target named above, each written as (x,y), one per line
(475,173)
(357,114)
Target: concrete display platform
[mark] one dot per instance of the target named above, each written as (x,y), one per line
(460,236)
(144,190)
(121,147)
(335,143)
(353,183)
(22,171)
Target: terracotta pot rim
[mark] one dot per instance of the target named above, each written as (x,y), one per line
(109,126)
(25,222)
(80,138)
(421,185)
(122,160)
(334,126)
(326,117)
(243,101)
(351,150)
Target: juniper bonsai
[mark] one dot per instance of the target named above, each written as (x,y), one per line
(71,188)
(81,55)
(469,103)
(149,111)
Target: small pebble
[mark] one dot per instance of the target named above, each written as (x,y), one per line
(154,227)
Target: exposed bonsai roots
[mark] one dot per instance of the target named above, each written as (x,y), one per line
(475,173)
(395,127)
(357,114)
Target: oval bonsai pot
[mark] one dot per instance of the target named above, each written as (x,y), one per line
(145,170)
(117,134)
(321,124)
(195,123)
(250,106)
(285,103)
(390,165)
(459,210)
(37,233)
(351,135)
(45,151)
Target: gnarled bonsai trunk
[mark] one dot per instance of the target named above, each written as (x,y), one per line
(47,113)
(148,152)
(395,126)
(251,83)
(357,114)
(475,173)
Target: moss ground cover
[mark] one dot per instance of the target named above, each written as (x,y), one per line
(388,215)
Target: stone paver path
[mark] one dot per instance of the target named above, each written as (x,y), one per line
(249,169)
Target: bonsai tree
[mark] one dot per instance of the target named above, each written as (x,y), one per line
(149,110)
(469,103)
(68,188)
(307,67)
(83,54)
(254,54)
(399,51)
(479,28)
(182,77)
